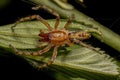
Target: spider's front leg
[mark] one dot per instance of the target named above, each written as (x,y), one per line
(32,17)
(52,58)
(32,53)
(50,11)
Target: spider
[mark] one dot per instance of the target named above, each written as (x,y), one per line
(55,37)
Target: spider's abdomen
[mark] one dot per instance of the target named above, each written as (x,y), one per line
(79,35)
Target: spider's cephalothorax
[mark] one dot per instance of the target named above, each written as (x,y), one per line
(54,37)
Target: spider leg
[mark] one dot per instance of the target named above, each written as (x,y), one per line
(57,21)
(69,43)
(42,44)
(50,11)
(68,22)
(52,58)
(31,18)
(31,53)
(41,31)
(44,22)
(88,46)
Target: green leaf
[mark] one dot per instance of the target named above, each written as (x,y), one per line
(72,63)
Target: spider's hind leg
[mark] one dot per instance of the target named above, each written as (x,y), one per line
(89,46)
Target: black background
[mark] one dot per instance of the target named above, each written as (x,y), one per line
(104,11)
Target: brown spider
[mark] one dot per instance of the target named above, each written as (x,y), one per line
(55,37)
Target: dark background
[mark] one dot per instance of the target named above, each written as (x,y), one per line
(104,11)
